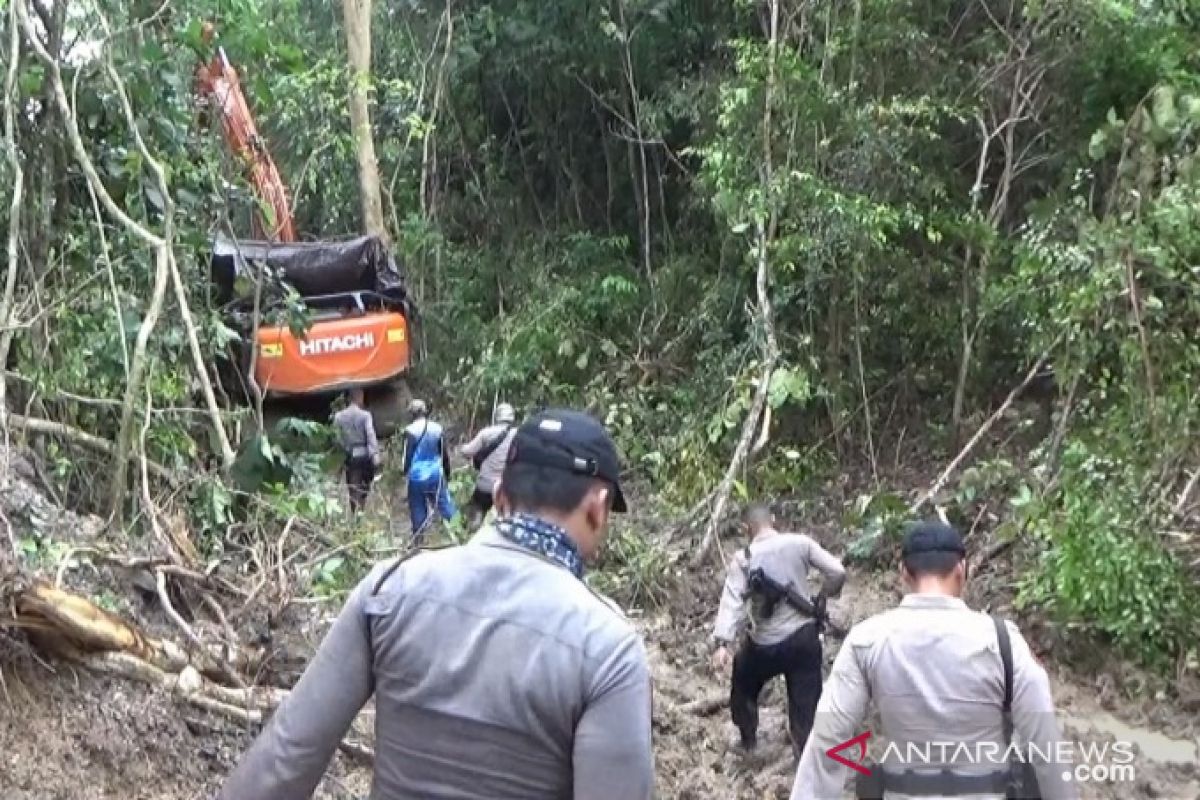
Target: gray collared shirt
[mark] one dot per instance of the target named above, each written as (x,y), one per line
(932,667)
(356,431)
(497,675)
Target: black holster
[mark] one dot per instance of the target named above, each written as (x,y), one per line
(869,787)
(942,784)
(1022,782)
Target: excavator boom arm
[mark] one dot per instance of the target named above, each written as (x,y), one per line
(218,82)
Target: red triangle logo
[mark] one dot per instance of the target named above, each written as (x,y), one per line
(835,753)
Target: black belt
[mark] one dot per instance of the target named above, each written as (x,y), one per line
(944,783)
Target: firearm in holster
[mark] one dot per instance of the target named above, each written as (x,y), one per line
(771,593)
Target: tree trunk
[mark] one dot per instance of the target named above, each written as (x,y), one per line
(7,315)
(357,15)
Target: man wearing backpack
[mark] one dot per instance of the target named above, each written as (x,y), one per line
(488,452)
(950,686)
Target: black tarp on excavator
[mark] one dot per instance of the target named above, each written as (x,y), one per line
(311,268)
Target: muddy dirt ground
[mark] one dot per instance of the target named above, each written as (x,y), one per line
(66,734)
(71,735)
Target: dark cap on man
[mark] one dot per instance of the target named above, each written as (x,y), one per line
(932,537)
(571,441)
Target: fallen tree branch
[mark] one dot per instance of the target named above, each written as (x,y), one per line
(244,705)
(1186,494)
(212,582)
(983,429)
(705,706)
(12,538)
(85,439)
(70,625)
(359,752)
(225,671)
(74,628)
(248,706)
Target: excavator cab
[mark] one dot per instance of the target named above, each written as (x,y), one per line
(359,316)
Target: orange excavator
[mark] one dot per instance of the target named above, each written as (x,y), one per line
(353,293)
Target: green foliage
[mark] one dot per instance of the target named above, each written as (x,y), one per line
(634,570)
(576,189)
(1103,567)
(880,520)
(985,479)
(330,576)
(277,476)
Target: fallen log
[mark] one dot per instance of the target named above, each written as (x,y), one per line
(73,628)
(69,625)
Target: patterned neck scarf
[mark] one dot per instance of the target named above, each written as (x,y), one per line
(543,538)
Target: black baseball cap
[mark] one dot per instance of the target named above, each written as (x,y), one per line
(932,537)
(560,438)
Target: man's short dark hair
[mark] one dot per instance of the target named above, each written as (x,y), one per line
(533,487)
(939,563)
(757,513)
(932,547)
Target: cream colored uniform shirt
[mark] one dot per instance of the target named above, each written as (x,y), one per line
(932,667)
(786,558)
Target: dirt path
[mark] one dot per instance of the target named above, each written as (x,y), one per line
(693,755)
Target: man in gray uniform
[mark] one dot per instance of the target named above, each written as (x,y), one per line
(356,433)
(782,639)
(488,451)
(935,671)
(497,673)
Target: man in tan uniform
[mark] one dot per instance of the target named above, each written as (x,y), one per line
(783,640)
(937,677)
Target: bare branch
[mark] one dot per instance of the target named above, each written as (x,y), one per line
(1186,494)
(83,438)
(983,429)
(765,234)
